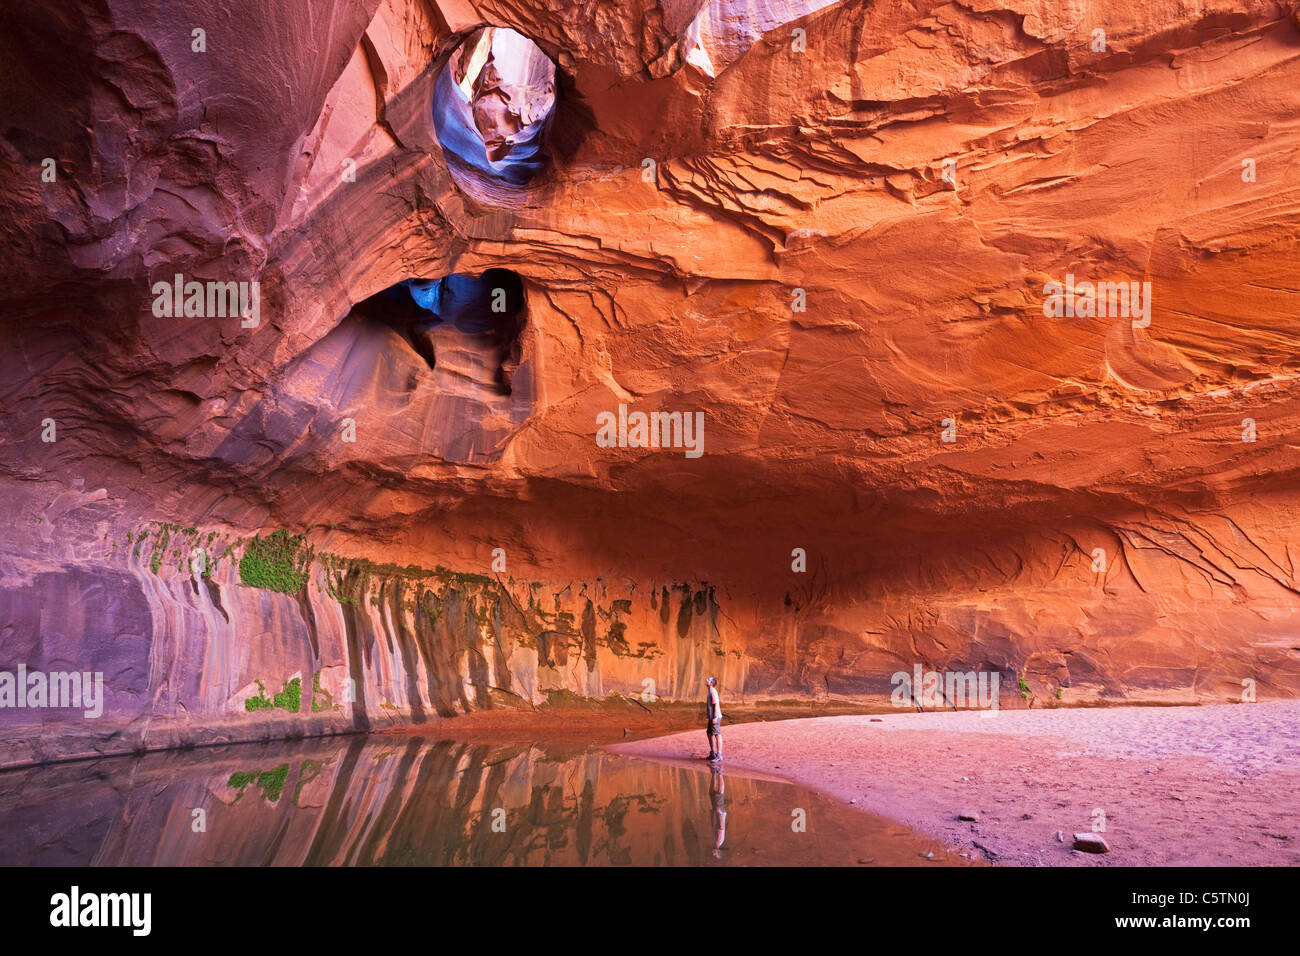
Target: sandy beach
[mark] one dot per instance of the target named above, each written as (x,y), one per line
(1178,786)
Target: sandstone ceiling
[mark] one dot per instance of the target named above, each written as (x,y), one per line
(838,252)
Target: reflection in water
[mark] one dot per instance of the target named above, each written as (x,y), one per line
(395,801)
(717,792)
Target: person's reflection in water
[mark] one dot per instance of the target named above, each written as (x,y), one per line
(717,787)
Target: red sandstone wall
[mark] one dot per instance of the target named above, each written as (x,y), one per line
(822,169)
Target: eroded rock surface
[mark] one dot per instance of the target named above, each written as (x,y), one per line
(838,248)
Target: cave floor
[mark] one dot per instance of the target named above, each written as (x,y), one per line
(1173,786)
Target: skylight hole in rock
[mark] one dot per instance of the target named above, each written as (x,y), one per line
(492,108)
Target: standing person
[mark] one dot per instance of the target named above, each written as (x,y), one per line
(713,717)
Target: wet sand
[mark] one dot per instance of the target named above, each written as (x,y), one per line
(1178,786)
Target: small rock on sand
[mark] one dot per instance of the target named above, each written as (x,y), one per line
(968,816)
(1091,843)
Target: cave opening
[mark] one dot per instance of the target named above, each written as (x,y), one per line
(492,107)
(465,327)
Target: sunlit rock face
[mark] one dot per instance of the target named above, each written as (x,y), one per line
(872,263)
(724,29)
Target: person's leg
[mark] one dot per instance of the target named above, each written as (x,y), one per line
(709,734)
(718,738)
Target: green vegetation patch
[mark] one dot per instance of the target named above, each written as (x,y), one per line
(327,699)
(278,562)
(162,543)
(289,698)
(270,782)
(260,702)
